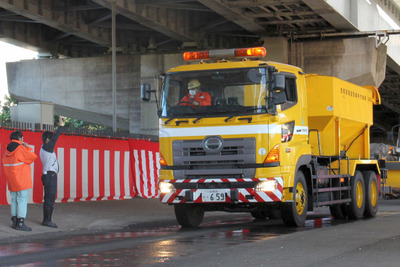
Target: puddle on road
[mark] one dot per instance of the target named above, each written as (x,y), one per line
(32,247)
(212,235)
(241,230)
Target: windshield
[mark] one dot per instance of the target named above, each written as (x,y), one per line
(214,93)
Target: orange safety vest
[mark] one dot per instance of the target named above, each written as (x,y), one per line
(17,167)
(202,97)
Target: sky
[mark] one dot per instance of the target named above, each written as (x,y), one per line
(10,53)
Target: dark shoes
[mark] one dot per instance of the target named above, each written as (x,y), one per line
(14,222)
(49,224)
(47,213)
(20,225)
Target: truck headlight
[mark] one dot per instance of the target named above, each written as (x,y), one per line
(267,186)
(166,188)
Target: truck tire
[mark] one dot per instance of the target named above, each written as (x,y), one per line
(371,194)
(357,194)
(262,215)
(294,213)
(338,211)
(274,214)
(188,215)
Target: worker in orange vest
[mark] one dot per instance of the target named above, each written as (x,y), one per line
(195,97)
(17,168)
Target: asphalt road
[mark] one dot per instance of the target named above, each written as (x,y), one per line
(222,240)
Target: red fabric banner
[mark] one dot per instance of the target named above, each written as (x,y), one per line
(92,168)
(145,165)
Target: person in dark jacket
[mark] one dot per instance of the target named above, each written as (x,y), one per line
(49,174)
(17,162)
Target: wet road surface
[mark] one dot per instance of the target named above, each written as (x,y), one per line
(149,244)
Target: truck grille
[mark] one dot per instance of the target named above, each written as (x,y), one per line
(228,161)
(196,151)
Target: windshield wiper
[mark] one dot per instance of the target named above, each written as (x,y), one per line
(197,119)
(205,114)
(170,119)
(230,117)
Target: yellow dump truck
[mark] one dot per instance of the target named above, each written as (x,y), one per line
(241,134)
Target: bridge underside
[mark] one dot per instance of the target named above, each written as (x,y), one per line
(82,29)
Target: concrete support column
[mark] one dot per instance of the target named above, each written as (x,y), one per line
(355,60)
(277,49)
(152,66)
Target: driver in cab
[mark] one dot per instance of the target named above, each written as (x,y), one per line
(195,97)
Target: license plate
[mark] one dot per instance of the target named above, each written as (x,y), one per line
(213,196)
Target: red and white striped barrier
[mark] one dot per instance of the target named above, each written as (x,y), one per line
(92,168)
(179,196)
(145,166)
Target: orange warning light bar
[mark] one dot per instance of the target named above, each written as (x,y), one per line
(202,55)
(254,52)
(251,52)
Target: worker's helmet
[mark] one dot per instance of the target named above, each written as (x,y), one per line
(194,83)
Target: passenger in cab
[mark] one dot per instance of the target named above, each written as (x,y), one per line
(195,97)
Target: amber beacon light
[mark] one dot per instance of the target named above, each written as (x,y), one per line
(253,52)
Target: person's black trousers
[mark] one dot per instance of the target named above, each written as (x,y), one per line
(49,181)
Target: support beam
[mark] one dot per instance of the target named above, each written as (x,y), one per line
(30,36)
(25,35)
(252,3)
(171,23)
(332,16)
(71,23)
(233,14)
(297,21)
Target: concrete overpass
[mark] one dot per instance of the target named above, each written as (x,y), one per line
(325,36)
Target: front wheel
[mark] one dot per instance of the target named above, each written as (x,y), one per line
(294,213)
(189,215)
(260,215)
(270,213)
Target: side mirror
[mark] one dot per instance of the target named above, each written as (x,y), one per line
(145,92)
(279,98)
(254,76)
(278,82)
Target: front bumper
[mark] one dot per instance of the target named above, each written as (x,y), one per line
(231,193)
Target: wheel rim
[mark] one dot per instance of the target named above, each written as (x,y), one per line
(300,198)
(359,194)
(374,193)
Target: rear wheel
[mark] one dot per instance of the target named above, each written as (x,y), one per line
(357,194)
(189,215)
(338,211)
(371,194)
(294,213)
